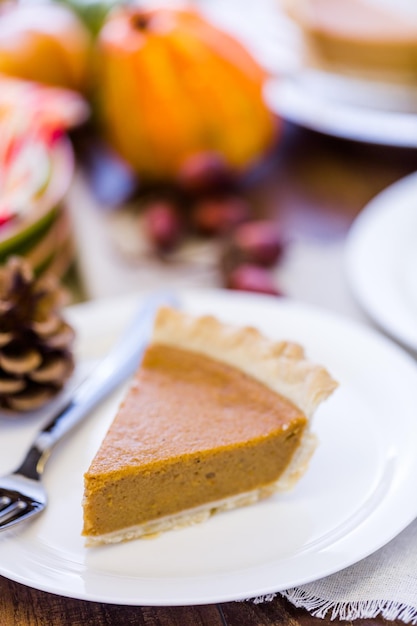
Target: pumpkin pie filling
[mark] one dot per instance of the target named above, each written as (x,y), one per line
(194,434)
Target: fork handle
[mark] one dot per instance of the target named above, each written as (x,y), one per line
(117,366)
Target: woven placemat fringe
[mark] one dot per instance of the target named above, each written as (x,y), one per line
(348,610)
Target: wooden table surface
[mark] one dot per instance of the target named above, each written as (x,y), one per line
(315,186)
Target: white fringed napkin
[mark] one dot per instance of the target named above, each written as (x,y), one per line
(384,583)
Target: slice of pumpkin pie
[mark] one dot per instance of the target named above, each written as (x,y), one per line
(217,417)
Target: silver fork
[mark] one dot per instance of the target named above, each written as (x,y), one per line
(22,495)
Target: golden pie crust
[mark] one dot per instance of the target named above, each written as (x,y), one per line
(217,417)
(358,38)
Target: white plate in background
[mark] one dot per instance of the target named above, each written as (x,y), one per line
(315,101)
(329,103)
(381,260)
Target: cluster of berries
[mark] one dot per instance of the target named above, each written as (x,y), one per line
(208,202)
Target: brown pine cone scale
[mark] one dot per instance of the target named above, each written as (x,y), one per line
(36,357)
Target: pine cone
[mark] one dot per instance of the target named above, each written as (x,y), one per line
(35,342)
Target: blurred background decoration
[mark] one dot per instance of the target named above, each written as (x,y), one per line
(177,119)
(36,169)
(191,90)
(44,42)
(372,39)
(360,53)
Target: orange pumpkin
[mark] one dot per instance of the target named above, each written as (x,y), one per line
(172,85)
(46,43)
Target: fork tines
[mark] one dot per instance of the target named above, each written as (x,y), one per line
(13,506)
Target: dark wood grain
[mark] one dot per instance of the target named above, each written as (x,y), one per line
(314,185)
(23,606)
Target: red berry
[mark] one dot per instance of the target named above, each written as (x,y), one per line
(252,278)
(218,216)
(163,224)
(259,242)
(203,172)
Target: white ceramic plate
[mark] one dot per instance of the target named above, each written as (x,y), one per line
(381,260)
(345,108)
(356,496)
(328,103)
